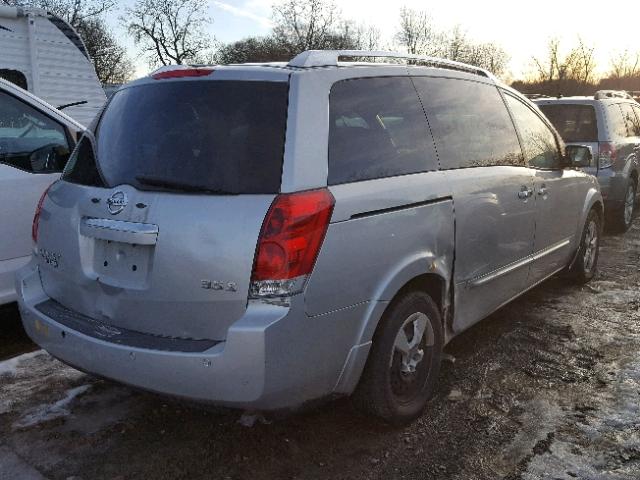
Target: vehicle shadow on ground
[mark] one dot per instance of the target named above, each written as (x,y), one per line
(13,339)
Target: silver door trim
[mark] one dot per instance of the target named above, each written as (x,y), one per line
(488,277)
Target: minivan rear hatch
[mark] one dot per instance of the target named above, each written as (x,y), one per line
(155,224)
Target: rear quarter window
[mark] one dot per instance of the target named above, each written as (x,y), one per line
(574,123)
(377,129)
(470,123)
(617,125)
(630,120)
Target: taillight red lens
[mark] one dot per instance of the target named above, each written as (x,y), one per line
(183,72)
(36,216)
(292,234)
(607,155)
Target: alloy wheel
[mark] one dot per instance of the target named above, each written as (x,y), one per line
(629,204)
(591,239)
(409,365)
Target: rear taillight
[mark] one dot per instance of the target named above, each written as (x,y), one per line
(289,242)
(36,216)
(607,155)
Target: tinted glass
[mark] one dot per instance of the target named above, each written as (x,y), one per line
(636,110)
(617,125)
(224,136)
(377,129)
(538,141)
(574,123)
(14,76)
(84,172)
(29,139)
(630,120)
(469,122)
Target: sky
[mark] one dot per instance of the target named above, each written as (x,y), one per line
(522,29)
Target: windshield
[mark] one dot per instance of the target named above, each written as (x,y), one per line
(190,136)
(574,123)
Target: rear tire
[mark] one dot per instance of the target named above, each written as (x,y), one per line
(401,371)
(586,264)
(623,216)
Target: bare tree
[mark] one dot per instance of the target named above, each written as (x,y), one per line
(73,11)
(312,24)
(488,56)
(559,73)
(625,65)
(109,58)
(169,31)
(253,49)
(456,45)
(417,34)
(585,63)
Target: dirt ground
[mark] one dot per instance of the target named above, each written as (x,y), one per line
(548,387)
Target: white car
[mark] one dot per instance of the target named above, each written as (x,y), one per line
(35,142)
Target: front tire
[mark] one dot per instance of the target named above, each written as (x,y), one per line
(402,369)
(586,263)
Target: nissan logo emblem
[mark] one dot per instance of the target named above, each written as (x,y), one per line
(117,202)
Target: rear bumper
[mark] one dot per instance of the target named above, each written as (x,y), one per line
(8,270)
(273,357)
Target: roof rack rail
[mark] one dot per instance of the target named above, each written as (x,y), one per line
(330,58)
(534,96)
(601,94)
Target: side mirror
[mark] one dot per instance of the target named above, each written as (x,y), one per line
(49,158)
(579,155)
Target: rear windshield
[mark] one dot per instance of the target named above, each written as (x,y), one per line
(574,123)
(197,136)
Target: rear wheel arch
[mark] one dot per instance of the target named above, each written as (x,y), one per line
(382,385)
(432,284)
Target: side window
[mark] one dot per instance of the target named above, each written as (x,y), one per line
(636,110)
(14,76)
(617,125)
(538,141)
(377,129)
(30,140)
(630,120)
(470,123)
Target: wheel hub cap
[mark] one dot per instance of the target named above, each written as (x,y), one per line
(590,245)
(408,342)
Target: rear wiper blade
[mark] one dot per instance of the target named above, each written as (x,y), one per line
(172,184)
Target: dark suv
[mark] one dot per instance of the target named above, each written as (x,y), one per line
(609,123)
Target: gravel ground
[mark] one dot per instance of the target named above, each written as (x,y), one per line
(548,387)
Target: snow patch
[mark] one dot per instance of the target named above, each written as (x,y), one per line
(47,412)
(26,378)
(10,367)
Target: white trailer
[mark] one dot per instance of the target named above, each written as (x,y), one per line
(43,54)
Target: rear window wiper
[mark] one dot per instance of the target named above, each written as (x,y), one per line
(177,185)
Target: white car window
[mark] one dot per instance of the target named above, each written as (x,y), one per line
(29,139)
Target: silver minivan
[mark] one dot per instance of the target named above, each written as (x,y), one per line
(260,236)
